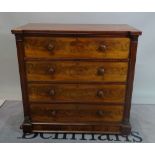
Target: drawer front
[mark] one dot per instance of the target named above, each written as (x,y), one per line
(75,113)
(50,47)
(76,93)
(77,71)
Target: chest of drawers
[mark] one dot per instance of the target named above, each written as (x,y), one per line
(76,78)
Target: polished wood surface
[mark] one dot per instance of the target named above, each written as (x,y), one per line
(76,78)
(77,71)
(78,128)
(52,47)
(76,28)
(54,113)
(76,92)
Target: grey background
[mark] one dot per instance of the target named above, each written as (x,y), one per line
(144,84)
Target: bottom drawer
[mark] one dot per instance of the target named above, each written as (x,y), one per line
(74,113)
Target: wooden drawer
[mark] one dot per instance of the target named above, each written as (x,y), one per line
(72,113)
(77,71)
(51,47)
(76,93)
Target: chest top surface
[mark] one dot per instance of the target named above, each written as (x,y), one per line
(77,28)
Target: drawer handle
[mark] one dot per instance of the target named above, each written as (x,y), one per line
(51,92)
(51,70)
(100,112)
(50,47)
(100,93)
(101,71)
(102,48)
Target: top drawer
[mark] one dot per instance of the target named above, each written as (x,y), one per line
(61,47)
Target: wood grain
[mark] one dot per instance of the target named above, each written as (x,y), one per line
(37,47)
(76,92)
(75,113)
(76,71)
(47,28)
(70,128)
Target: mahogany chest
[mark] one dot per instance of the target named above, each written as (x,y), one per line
(76,78)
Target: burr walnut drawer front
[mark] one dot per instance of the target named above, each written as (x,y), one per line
(77,71)
(76,93)
(75,113)
(59,47)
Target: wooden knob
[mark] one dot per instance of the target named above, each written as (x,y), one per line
(100,112)
(51,92)
(102,48)
(51,70)
(50,47)
(100,93)
(101,71)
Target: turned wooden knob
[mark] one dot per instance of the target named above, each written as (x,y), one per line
(100,112)
(50,47)
(52,92)
(100,93)
(102,48)
(51,70)
(101,71)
